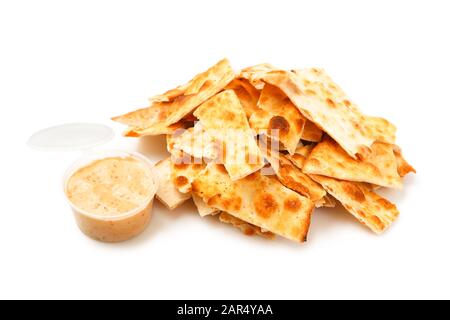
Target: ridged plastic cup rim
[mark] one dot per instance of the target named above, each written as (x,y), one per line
(99,155)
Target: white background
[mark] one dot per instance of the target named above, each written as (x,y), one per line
(70,61)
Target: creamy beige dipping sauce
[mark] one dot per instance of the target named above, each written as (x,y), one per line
(112,197)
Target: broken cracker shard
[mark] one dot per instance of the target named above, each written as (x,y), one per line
(321,148)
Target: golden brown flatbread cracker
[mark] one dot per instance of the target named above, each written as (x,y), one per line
(300,155)
(311,132)
(223,118)
(369,208)
(171,139)
(329,202)
(321,101)
(174,105)
(278,118)
(255,74)
(157,130)
(167,192)
(381,129)
(257,199)
(298,159)
(248,95)
(194,141)
(379,168)
(403,167)
(202,208)
(293,178)
(184,171)
(246,228)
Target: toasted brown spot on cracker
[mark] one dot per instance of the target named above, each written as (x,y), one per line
(279,123)
(265,205)
(376,221)
(386,204)
(232,204)
(354,192)
(181,181)
(292,204)
(361,213)
(331,103)
(227,115)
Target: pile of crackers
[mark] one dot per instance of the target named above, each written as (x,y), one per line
(263,147)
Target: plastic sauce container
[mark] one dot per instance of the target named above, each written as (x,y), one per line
(110,226)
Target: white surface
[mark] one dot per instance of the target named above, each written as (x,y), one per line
(85,61)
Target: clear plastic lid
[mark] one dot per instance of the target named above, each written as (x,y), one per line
(71,136)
